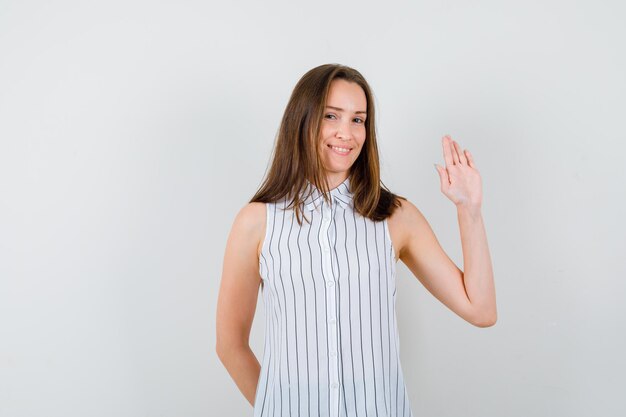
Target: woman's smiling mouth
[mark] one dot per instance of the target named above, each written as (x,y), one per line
(340,150)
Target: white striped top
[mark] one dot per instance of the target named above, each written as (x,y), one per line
(331,338)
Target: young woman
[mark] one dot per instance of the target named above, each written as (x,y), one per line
(321,238)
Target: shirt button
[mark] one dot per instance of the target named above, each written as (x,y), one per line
(333,353)
(334,385)
(326,249)
(332,320)
(330,283)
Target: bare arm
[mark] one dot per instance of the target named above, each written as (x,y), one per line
(470,294)
(239,289)
(478,275)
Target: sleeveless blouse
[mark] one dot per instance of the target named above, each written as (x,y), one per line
(331,338)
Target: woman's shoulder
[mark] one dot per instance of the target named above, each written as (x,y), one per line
(405,221)
(251,221)
(252,212)
(406,215)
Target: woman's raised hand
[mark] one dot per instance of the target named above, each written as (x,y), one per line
(460,180)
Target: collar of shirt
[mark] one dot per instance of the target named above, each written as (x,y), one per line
(340,194)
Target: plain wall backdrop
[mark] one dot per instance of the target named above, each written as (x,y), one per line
(132,132)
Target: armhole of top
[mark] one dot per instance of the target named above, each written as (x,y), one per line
(264,244)
(393,250)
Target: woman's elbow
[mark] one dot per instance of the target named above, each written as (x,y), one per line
(222,348)
(486,321)
(226,347)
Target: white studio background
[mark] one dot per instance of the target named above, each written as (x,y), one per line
(132,132)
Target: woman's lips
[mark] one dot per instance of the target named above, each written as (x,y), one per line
(338,152)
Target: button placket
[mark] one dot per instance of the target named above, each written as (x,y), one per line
(327,219)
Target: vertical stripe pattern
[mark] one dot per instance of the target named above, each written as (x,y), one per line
(331,338)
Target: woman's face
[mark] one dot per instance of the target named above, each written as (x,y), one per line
(342,131)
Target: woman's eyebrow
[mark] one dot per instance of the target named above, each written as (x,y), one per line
(340,109)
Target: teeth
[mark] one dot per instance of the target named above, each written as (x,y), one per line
(342,150)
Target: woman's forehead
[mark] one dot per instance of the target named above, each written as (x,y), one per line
(346,95)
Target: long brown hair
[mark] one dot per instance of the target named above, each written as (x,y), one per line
(296,153)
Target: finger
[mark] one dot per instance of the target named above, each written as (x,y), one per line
(443,176)
(455,155)
(447,150)
(460,153)
(470,159)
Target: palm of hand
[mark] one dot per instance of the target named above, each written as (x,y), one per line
(460,179)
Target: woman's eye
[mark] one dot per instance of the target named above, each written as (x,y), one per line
(357,119)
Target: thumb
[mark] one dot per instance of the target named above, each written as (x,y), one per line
(443,175)
(438,168)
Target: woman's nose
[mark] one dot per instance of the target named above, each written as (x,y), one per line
(343,131)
